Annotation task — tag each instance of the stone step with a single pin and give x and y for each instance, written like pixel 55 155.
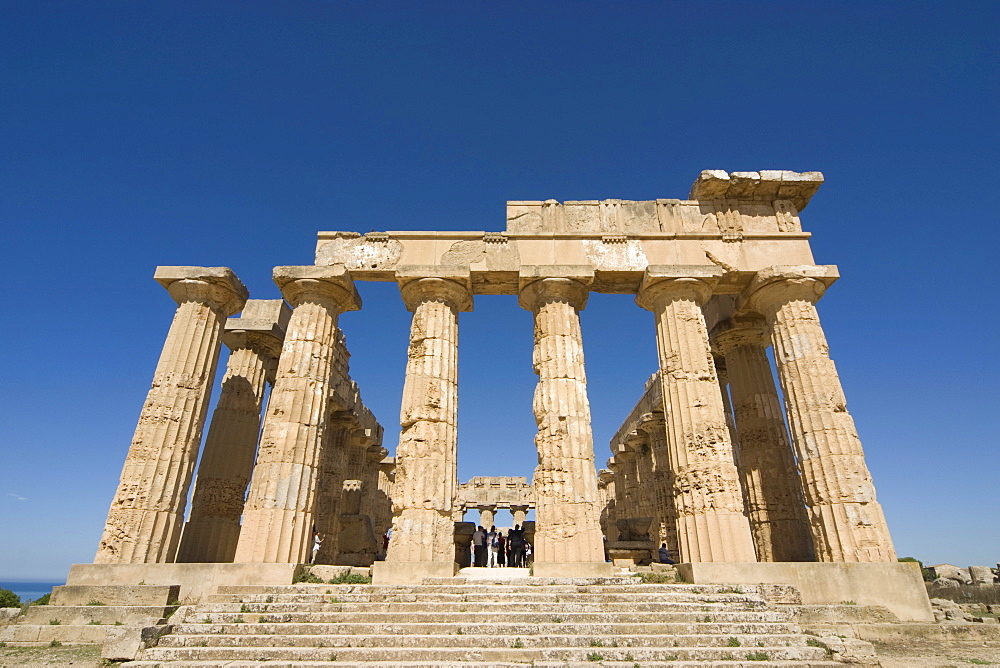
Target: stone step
pixel 489 656
pixel 103 614
pixel 486 641
pixel 44 634
pixel 348 615
pixel 508 607
pixel 473 627
pixel 493 664
pixel 487 598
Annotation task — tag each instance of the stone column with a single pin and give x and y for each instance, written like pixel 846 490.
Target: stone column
pixel 770 478
pixel 847 520
pixel 330 482
pixel 146 515
pixel 614 485
pixel 520 514
pixel 711 525
pixel 369 480
pixel 644 493
pixel 662 481
pixel 278 517
pixel 568 538
pixel 486 515
pixel 625 482
pixel 422 543
pixel 345 548
pixel 213 527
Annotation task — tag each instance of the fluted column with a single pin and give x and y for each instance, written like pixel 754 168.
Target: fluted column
pixel 644 496
pixel 487 514
pixel 520 514
pixel 614 484
pixel 846 519
pixel 770 478
pixel 727 406
pixel 279 512
pixel 662 480
pixel 370 483
pixel 213 526
pixel 426 481
pixel 330 483
pixel 386 476
pixel 711 525
pixel 146 515
pixel 625 483
pixel 568 534
pixel 355 457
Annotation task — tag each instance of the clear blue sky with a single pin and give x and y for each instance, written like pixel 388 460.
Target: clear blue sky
pixel 228 133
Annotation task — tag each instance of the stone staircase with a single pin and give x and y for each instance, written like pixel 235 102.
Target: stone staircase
pixel 554 622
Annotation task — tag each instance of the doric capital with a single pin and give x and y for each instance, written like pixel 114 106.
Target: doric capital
pixel 544 284
pixel 452 291
pixel 260 327
pixel 543 291
pixel 740 331
pixel 650 422
pixel 330 286
pixel 605 476
pixel 216 287
pixel 663 284
pixel 775 286
pixel 636 441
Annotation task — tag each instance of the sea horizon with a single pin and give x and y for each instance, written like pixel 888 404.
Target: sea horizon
pixel 31 590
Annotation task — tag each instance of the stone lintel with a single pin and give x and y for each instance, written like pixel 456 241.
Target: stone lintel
pixel 217 285
pixel 766 185
pixel 330 284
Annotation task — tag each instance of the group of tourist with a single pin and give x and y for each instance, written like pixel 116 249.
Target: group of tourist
pixel 491 549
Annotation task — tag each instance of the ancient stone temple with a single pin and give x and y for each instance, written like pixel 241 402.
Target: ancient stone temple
pixel 743 479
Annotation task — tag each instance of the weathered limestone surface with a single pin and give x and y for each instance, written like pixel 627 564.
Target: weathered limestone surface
pixel 386 479
pixel 426 481
pixel 278 518
pixel 565 481
pixel 662 483
pixel 147 512
pixel 353 543
pixel 847 521
pixel 213 528
pixel 770 477
pixel 745 221
pixel 330 483
pixel 499 491
pixel 711 525
pixel 487 515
